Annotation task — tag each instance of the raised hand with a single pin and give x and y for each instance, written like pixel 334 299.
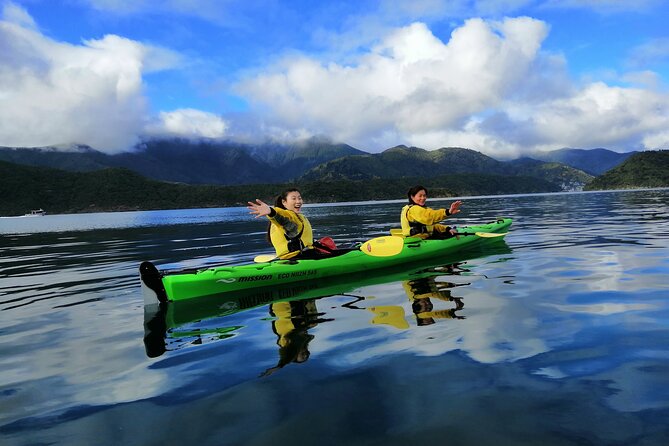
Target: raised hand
pixel 258 208
pixel 455 207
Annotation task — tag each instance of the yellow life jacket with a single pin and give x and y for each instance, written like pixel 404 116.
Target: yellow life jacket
pixel 413 228
pixel 284 245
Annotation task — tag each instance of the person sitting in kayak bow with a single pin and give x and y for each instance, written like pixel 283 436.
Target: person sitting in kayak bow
pixel 289 231
pixel 417 220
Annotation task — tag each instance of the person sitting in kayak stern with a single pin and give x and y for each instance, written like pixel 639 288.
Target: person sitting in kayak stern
pixel 289 231
pixel 420 221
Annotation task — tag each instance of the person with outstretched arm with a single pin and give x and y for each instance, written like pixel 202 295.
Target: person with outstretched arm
pixel 289 230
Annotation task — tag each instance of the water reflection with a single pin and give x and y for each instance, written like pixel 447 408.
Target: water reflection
pixel 291 324
pixel 421 292
pixel 564 341
pixel 294 310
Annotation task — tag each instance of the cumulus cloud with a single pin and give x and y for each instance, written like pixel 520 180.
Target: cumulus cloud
pixel 189 123
pixel 59 93
pixel 55 93
pixel 603 114
pixel 490 88
pixel 15 14
pixel 409 86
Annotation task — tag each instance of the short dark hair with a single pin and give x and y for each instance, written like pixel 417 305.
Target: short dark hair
pixel 414 190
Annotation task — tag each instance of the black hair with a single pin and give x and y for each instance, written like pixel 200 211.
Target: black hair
pixel 413 191
pixel 278 203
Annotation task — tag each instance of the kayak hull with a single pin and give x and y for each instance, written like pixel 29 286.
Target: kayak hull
pixel 185 285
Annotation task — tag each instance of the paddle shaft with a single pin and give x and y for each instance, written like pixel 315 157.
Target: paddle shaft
pixel 483 234
pixel 398 233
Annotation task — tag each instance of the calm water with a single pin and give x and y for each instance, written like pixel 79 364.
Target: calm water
pixel 558 336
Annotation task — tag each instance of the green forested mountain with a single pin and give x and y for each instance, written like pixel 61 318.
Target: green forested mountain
pixel 642 169
pixel 326 172
pixel 291 161
pixel 402 161
pixel 566 177
pixel 228 163
pixel 192 162
pixel 115 189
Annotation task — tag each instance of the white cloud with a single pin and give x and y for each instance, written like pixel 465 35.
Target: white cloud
pixel 410 84
pixel 13 13
pixel 598 115
pixel 489 88
pixel 58 93
pixel 189 123
pixel 657 140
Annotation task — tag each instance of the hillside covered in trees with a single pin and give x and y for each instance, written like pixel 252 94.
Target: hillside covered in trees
pixel 641 170
pixel 229 164
pixel 119 189
pixel 169 175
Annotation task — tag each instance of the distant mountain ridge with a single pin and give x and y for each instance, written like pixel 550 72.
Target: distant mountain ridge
pixel 118 189
pixel 403 161
pixel 232 163
pixel 592 161
pixel 226 174
pixel 192 162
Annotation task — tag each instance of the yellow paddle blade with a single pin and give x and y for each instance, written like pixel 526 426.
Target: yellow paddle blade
pixel 385 246
pixel 264 258
pixel 269 257
pixel 491 234
pixel 397 232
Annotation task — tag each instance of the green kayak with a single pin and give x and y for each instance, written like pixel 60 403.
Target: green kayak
pixel 185 322
pixel 160 287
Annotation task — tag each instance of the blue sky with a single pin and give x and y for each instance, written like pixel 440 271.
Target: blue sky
pixel 503 77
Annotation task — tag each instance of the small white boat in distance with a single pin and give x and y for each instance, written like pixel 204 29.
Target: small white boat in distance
pixel 36 213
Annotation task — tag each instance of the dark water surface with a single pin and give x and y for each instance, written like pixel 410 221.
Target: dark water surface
pixel 558 336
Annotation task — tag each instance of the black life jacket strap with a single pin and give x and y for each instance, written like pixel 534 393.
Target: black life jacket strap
pixel 295 243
